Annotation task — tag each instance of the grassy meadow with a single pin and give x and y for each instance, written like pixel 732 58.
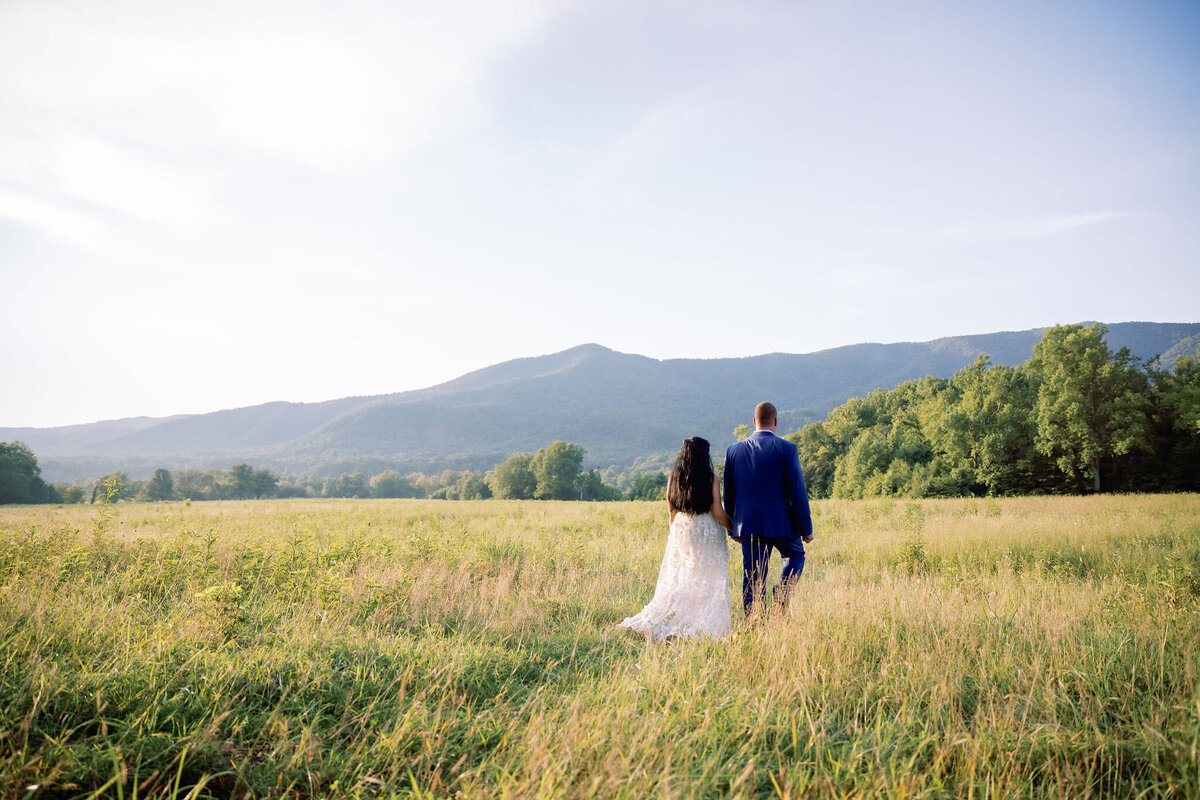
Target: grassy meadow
pixel 1038 647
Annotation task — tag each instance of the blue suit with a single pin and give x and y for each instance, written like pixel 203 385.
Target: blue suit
pixel 766 497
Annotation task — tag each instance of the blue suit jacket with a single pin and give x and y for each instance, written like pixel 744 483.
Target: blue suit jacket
pixel 764 490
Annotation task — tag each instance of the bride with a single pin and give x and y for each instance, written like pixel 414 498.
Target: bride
pixel 692 595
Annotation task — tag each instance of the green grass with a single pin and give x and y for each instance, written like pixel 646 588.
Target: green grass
pixel 1043 647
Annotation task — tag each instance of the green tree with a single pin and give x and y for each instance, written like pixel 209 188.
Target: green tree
pixel 1091 404
pixel 390 484
pixel 161 485
pixel 649 486
pixel 1180 392
pixel 71 494
pixel 859 473
pixel 21 477
pixel 423 484
pixel 465 485
pixel 190 484
pixel 877 445
pixel 111 488
pixel 846 421
pixel 348 484
pixel 514 479
pixel 1170 464
pixel 472 486
pixel 263 483
pixel 557 469
pixel 287 489
pixel 818 457
pixel 242 480
pixel 742 432
pixel 593 487
pixel 984 426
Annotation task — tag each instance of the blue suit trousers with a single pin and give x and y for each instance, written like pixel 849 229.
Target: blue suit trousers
pixel 756 562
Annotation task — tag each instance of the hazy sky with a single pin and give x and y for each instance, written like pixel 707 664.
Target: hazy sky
pixel 206 205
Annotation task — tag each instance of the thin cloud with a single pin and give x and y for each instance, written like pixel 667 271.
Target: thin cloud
pixel 1060 224
pixel 61 224
pixel 1023 229
pixel 645 141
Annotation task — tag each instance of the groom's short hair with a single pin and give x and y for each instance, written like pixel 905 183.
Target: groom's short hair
pixel 765 413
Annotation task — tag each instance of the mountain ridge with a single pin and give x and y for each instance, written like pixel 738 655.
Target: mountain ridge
pixel 619 406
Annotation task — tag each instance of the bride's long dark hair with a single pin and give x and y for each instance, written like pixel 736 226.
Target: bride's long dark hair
pixel 690 487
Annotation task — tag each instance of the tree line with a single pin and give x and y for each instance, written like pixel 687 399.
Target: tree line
pixel 240 482
pixel 552 473
pixel 1076 417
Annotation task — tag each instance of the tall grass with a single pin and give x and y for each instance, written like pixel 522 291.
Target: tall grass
pixel 940 648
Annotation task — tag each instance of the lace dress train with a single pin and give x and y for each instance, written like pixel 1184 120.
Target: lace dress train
pixel 692 595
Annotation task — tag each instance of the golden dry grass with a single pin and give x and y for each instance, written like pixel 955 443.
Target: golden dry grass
pixel 1038 647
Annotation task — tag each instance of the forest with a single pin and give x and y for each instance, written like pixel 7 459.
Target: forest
pixel 1075 418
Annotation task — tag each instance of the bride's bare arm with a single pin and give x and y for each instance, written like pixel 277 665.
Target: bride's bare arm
pixel 670 510
pixel 718 509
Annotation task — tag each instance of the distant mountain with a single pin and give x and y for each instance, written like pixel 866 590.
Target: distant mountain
pixel 618 406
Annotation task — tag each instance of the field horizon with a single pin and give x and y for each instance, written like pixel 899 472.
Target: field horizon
pixel 1016 647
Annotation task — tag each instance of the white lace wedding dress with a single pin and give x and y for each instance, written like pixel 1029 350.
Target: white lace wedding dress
pixel 692 595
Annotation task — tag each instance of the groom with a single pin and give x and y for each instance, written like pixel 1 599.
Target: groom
pixel 765 496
